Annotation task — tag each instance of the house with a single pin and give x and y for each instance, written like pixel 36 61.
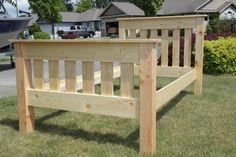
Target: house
pixel 89 19
pixel 103 20
pixel 117 10
pixel 226 9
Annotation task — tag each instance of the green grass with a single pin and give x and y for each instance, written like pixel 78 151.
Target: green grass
pixel 189 126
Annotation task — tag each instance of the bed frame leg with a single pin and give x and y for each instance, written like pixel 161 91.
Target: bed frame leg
pixel 147 99
pixel 24 81
pixel 199 57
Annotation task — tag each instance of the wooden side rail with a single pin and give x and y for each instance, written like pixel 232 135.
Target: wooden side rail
pixel 165 94
pixel 87 103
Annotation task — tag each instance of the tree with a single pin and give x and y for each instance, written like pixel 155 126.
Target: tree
pixel 69 5
pixel 34 28
pixel 48 10
pixel 84 5
pixel 150 7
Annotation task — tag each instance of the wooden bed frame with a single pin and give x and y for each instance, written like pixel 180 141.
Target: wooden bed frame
pixel 136 56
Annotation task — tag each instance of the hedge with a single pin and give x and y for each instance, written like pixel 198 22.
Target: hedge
pixel 220 56
pixel 41 35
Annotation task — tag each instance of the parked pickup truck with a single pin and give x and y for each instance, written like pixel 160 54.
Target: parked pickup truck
pixel 79 31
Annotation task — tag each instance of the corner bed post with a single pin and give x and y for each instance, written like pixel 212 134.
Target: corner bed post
pixel 23 82
pixel 148 98
pixel 199 55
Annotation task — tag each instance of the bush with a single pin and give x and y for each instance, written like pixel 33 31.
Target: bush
pixel 220 56
pixel 34 28
pixel 41 35
pixel 60 33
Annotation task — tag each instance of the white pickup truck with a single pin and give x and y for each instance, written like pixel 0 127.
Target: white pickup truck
pixel 80 31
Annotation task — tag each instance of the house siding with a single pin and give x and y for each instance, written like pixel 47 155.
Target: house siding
pixel 225 14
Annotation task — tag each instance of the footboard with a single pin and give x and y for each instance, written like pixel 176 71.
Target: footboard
pixel 34 91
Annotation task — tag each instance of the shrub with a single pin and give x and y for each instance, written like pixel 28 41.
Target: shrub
pixel 60 33
pixel 220 56
pixel 34 28
pixel 41 35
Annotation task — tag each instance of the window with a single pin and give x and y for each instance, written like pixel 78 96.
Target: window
pixel 72 28
pixel 2 9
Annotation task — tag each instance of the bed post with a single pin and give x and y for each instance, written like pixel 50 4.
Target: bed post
pixel 199 55
pixel 23 82
pixel 147 98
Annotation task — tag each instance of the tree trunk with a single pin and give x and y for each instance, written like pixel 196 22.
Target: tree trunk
pixel 53 30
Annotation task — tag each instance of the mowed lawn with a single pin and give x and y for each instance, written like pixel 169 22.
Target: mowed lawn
pixel 189 126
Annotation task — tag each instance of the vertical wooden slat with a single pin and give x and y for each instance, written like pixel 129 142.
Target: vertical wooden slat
pixel 127 80
pixel 122 33
pixel 153 34
pixel 38 74
pixel 54 80
pixel 199 56
pixel 143 34
pixel 70 76
pixel 88 77
pixel 164 47
pixel 148 98
pixel 23 82
pixel 133 34
pixel 187 47
pixel 176 47
pixel 107 78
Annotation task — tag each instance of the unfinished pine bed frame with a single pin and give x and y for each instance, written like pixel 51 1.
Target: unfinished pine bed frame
pixel 136 56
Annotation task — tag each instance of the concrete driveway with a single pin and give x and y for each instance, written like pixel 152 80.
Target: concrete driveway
pixel 7 80
pixel 8 76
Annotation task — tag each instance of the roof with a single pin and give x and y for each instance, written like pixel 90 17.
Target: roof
pixel 214 6
pixel 172 7
pixel 90 15
pixel 70 16
pixel 127 8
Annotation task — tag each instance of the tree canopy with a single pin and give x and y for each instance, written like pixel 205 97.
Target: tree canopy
pixel 84 5
pixel 48 10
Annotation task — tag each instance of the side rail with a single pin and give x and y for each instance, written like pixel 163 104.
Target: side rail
pixel 179 37
pixel 31 90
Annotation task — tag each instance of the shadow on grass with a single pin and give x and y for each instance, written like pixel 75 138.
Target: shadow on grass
pixel 130 141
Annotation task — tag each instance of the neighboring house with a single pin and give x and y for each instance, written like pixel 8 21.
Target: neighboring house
pixel 96 19
pixel 117 10
pixel 225 8
pixel 89 19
